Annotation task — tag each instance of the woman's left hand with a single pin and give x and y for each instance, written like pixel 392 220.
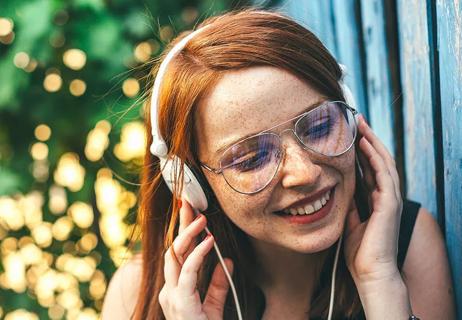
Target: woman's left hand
pixel 371 246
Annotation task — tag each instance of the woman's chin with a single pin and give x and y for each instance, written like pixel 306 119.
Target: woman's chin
pixel 314 244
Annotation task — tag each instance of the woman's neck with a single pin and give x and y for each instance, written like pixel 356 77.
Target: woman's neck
pixel 287 278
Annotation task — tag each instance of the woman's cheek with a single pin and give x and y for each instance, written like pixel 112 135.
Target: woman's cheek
pixel 240 208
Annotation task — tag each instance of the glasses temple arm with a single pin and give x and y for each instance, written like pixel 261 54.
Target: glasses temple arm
pixel 216 171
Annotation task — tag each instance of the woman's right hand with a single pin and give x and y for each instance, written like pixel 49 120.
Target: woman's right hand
pixel 179 297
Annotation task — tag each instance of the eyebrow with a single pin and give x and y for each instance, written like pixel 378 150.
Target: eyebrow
pixel 220 150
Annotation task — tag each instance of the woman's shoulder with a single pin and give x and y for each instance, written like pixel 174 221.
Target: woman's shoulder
pixel 122 293
pixel 426 266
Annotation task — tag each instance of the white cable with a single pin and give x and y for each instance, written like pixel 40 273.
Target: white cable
pixel 334 271
pixel 228 275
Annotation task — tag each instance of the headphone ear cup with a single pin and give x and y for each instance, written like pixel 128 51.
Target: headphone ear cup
pixel 210 195
pixel 192 190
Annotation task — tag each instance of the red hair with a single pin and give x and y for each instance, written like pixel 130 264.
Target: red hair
pixel 235 40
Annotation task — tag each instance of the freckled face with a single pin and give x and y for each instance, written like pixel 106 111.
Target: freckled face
pixel 252 100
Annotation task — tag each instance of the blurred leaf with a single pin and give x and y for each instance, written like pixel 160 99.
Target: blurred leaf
pixel 138 24
pixel 10 182
pixel 95 5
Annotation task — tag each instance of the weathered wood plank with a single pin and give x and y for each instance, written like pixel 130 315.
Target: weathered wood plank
pixel 416 82
pixel 449 36
pixel 379 92
pixel 347 38
pixel 316 15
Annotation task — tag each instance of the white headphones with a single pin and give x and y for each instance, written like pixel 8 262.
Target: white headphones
pixel 192 190
pixel 170 165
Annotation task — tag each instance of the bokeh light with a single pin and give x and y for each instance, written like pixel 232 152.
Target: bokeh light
pixel 42 132
pixel 97 141
pixel 70 173
pixel 189 15
pixel 11 216
pixel 6 26
pixel 88 242
pixel 131 87
pixel 39 151
pixel 52 82
pixel 81 213
pixel 15 272
pixel 143 51
pixel 132 142
pixel 74 59
pixel 166 33
pixel 21 60
pixel 31 66
pixel 77 87
pixel 21 314
pixel 57 40
pixel 58 199
pixel 42 234
pixel 62 228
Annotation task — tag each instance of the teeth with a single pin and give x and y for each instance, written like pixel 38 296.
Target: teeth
pixel 311 207
pixel 317 205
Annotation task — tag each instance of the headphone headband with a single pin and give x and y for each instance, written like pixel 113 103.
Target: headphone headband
pixel 158 146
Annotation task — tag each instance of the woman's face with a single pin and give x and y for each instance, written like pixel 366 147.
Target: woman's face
pixel 251 100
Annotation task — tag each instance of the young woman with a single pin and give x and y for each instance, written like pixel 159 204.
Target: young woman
pixel 254 104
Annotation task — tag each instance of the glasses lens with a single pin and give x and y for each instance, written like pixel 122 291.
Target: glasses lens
pixel 251 164
pixel 329 129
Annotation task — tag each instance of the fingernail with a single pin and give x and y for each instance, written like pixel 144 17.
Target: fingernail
pixel 197 217
pixel 208 236
pixel 180 203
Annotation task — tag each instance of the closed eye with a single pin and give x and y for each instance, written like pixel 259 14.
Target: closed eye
pixel 248 163
pixel 318 131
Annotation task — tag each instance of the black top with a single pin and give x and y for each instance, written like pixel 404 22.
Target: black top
pixel 408 218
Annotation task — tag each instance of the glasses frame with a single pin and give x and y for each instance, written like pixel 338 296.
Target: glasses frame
pixel 281 151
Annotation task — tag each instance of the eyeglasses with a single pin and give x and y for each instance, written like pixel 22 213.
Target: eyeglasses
pixel 249 165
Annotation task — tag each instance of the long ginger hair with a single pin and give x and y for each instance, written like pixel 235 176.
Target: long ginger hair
pixel 235 40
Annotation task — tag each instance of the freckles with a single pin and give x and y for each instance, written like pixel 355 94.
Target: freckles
pixel 238 207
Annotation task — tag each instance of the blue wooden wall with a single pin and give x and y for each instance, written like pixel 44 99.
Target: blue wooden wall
pixel 405 68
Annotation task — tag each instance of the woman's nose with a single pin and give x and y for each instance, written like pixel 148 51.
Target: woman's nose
pixel 298 169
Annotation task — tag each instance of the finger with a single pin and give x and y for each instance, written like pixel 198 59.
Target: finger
pixel 368 173
pixel 184 240
pixel 218 289
pixel 187 280
pixel 390 170
pixel 370 135
pixel 381 149
pixel 186 214
pixel 179 247
pixel 171 269
pixel 382 176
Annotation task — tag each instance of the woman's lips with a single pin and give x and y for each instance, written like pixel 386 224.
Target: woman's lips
pixel 310 218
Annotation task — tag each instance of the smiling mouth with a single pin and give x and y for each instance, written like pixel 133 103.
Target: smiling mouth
pixel 309 208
